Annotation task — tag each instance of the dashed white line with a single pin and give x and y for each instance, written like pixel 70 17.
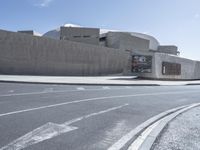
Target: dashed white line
pixel 48 92
pixel 92 99
pixel 105 87
pixel 80 88
pixel 50 130
pixel 128 87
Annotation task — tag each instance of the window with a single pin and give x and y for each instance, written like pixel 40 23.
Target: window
pixel 103 39
pixel 86 36
pixel 141 64
pixel 169 68
pixel 76 36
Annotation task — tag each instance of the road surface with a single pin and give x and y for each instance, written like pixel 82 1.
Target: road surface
pixel 72 117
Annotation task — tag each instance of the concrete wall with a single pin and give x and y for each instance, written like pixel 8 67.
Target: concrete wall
pixel 190 69
pixel 30 32
pixel 169 49
pixel 83 35
pixel 153 42
pixel 26 54
pixel 126 41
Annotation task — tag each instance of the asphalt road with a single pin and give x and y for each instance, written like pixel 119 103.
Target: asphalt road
pixel 60 117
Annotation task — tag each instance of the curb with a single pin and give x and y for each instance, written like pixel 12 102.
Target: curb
pixel 162 123
pixel 193 84
pixel 94 84
pixel 127 140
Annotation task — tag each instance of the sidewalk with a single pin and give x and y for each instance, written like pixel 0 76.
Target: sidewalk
pixel 183 133
pixel 95 80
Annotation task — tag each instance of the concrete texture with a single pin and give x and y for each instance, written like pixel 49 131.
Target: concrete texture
pixel 153 42
pixel 26 54
pixel 97 132
pixel 168 49
pixel 183 133
pixel 126 41
pixel 83 35
pixel 190 69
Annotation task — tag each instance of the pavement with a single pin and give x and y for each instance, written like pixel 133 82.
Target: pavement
pixel 94 80
pixel 81 117
pixel 182 133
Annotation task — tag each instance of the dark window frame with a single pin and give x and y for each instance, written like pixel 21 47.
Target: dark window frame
pixel 169 68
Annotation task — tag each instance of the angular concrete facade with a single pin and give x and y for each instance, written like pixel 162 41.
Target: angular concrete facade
pixel 189 70
pixel 87 51
pixel 126 41
pixel 25 54
pixel 82 35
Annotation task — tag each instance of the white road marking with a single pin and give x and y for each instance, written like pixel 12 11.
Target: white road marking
pixel 94 114
pixel 11 91
pixel 105 87
pixel 47 92
pixel 30 93
pixel 133 133
pixel 50 130
pixel 80 88
pixel 147 134
pixel 40 134
pixel 128 87
pixel 93 99
pixel 111 135
pixel 138 142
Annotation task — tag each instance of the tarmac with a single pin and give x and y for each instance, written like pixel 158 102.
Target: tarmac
pixel 94 80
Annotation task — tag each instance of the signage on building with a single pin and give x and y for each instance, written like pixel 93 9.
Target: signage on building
pixel 141 64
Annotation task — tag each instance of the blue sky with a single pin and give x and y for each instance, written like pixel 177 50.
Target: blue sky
pixel 170 21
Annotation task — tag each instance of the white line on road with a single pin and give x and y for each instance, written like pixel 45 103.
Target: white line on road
pixel 93 99
pixel 128 87
pixel 105 87
pixel 80 88
pixel 138 142
pixel 48 92
pixel 50 130
pixel 124 140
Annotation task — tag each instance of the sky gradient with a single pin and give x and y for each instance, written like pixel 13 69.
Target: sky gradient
pixel 173 22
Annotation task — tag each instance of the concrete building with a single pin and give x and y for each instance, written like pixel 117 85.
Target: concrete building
pixel 78 34
pixel 30 32
pixel 32 55
pixel 75 50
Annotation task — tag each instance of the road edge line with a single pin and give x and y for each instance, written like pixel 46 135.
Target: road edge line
pixel 126 140
pixel 157 131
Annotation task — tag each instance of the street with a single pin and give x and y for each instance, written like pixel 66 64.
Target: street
pixel 75 117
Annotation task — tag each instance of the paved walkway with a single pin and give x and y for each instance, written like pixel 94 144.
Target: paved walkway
pixel 95 80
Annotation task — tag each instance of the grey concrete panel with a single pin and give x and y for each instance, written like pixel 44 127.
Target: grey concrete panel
pixel 169 49
pixel 31 32
pixel 190 69
pixel 26 54
pixel 126 41
pixel 83 35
